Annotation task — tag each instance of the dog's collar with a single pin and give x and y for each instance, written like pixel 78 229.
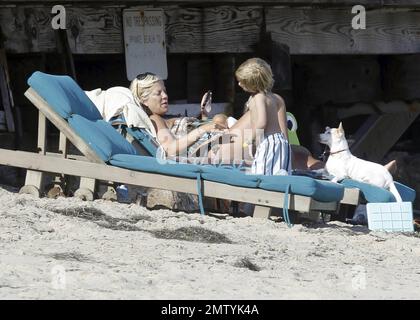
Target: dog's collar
pixel 335 152
pixel 326 153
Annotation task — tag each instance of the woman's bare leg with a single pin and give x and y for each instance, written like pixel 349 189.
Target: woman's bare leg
pixel 234 152
pixel 302 159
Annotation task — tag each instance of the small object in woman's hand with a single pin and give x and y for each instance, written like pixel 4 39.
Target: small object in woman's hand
pixel 207 102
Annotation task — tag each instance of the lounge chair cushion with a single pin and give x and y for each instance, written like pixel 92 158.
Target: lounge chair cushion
pixel 152 165
pixel 373 193
pixel 322 191
pixel 406 193
pixel 101 137
pixel 230 176
pixel 145 139
pixel 64 95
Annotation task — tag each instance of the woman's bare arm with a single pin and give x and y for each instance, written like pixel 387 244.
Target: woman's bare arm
pixel 173 146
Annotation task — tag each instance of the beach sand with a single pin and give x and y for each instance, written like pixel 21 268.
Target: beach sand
pixel 69 249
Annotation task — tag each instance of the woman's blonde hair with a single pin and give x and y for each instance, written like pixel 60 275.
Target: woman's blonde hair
pixel 141 86
pixel 255 75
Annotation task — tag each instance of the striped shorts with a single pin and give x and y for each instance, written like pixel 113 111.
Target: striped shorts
pixel 273 156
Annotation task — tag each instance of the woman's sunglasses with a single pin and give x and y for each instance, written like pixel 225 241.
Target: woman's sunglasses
pixel 143 76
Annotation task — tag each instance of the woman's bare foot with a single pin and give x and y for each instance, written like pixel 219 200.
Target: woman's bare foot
pixel 391 167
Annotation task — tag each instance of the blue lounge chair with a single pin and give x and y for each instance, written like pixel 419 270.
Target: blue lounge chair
pixel 109 157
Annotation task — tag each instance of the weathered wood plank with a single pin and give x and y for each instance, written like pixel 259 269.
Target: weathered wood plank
pixel 234 2
pixel 99 30
pixel 27 29
pixel 220 29
pixel 37 178
pixel 382 135
pixel 95 30
pixel 212 30
pixel 42 133
pixel 329 31
pixel 89 30
pixel 5 92
pixel 401 3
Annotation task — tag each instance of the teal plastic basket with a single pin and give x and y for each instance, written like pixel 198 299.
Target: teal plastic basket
pixel 390 217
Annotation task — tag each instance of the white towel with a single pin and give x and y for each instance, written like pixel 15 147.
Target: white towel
pixel 119 100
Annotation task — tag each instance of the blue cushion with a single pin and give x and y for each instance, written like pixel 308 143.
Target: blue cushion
pixel 406 193
pixel 373 193
pixel 64 95
pixel 323 191
pixel 152 165
pixel 230 176
pixel 101 137
pixel 145 139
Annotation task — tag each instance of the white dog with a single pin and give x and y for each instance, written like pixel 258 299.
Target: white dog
pixel 342 164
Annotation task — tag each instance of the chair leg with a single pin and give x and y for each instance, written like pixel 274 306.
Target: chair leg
pixel 262 212
pixel 34 183
pixel 86 189
pixel 59 182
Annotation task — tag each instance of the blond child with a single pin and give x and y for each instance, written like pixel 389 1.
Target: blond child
pixel 268 115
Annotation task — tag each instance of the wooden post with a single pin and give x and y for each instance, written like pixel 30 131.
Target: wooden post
pixel 262 212
pixel 6 93
pixel 59 180
pixel 199 78
pixel 36 178
pixel 66 54
pixel 379 137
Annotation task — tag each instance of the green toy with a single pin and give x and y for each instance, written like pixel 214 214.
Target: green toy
pixel 292 127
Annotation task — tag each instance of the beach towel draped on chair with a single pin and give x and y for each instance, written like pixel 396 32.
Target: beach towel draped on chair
pixel 118 101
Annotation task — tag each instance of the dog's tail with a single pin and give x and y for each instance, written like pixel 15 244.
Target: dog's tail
pixel 394 191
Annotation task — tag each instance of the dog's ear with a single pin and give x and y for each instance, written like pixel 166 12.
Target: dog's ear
pixel 340 128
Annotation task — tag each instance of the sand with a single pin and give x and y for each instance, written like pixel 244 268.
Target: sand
pixel 69 249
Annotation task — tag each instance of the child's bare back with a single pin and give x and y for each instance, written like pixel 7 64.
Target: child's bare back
pixel 275 110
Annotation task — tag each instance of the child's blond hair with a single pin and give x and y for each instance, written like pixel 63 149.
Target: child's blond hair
pixel 141 86
pixel 255 75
